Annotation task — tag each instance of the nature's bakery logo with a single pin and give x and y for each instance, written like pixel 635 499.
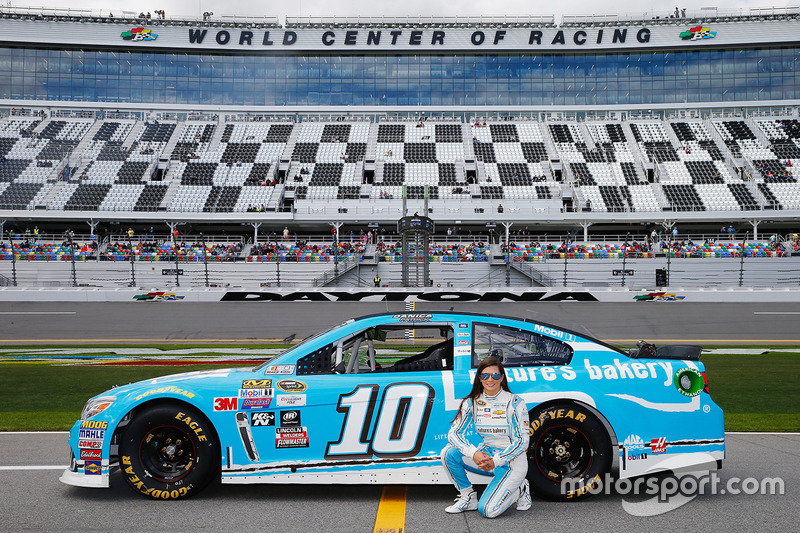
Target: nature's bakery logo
pixel 697 33
pixel 138 34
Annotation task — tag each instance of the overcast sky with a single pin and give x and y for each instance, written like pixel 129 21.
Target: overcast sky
pixel 400 8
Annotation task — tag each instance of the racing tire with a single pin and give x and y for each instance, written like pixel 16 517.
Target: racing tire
pixel 168 452
pixel 568 454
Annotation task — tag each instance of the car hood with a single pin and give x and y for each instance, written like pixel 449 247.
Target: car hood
pixel 188 380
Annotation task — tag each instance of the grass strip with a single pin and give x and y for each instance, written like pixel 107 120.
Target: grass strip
pixel 757 392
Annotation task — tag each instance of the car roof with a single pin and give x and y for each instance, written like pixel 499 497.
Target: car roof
pixel 453 315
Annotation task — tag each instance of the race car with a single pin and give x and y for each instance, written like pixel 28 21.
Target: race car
pixel 371 401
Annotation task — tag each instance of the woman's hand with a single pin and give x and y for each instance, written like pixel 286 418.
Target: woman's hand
pixel 483 460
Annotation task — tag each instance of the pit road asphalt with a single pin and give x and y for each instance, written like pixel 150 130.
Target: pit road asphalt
pixel 34 500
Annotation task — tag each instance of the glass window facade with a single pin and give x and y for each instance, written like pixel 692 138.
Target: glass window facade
pixel 635 78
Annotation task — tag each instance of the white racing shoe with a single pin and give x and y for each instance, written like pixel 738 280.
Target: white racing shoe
pixel 524 501
pixel 468 503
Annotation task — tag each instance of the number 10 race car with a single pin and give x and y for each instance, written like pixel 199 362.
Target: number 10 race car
pixel 354 405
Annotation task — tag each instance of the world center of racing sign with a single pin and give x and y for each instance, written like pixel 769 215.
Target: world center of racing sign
pixel 400 39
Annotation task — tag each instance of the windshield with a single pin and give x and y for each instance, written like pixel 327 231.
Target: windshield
pixel 279 357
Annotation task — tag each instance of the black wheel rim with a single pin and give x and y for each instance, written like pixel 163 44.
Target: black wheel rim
pixel 167 453
pixel 562 453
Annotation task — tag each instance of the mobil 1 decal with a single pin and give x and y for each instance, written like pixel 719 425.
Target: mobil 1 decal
pixel 398 429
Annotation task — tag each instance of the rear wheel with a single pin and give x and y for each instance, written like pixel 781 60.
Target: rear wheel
pixel 168 452
pixel 568 454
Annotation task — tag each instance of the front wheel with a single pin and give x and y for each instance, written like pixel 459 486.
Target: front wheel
pixel 168 452
pixel 569 452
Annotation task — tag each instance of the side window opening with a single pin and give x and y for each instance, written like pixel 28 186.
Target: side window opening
pixel 517 347
pixel 384 349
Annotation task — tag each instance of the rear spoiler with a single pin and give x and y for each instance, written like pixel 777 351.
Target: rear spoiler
pixel 645 350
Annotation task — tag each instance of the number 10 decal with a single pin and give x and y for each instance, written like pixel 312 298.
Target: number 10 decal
pixel 399 426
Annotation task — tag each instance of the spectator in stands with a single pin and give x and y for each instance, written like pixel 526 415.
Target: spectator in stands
pixel 376 280
pixel 285 234
pixel 130 233
pixel 500 208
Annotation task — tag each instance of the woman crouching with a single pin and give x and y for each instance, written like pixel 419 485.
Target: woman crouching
pixel 501 420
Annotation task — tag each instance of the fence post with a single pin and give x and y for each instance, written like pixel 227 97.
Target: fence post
pixel 741 260
pixel 133 267
pixel 205 256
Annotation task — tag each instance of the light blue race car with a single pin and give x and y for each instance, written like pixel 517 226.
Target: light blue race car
pixel 371 401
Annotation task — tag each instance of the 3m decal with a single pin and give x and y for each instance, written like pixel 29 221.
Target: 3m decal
pixel 225 404
pixel 400 424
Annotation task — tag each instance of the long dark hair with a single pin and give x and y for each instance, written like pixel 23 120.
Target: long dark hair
pixel 477 386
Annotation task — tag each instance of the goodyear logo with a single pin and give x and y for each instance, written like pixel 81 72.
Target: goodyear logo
pixel 292 385
pixel 138 34
pixel 168 389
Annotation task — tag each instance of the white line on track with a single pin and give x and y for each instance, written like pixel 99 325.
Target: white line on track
pixel 53 467
pixel 38 312
pixel 776 312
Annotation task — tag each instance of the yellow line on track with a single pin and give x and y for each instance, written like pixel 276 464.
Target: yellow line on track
pixel 392 510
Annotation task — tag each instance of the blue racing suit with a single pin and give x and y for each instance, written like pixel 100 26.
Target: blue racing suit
pixel 502 423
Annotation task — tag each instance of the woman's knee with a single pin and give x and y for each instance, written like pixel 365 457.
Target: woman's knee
pixel 483 509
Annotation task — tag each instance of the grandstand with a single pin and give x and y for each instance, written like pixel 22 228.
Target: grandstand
pixel 247 126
